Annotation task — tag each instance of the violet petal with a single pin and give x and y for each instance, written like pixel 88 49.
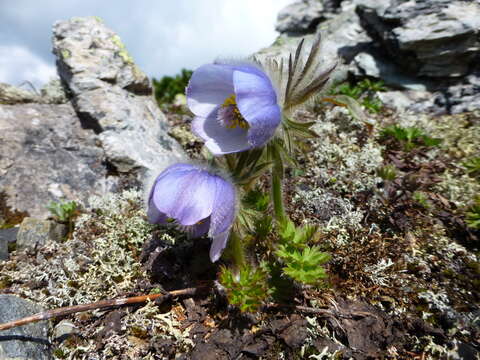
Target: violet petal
pixel 209 86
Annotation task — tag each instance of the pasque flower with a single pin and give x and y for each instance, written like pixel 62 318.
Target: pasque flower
pixel 235 107
pixel 195 198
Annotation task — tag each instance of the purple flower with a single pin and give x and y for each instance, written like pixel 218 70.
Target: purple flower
pixel 202 202
pixel 235 107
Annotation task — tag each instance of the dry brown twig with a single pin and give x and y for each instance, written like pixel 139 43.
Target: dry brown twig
pixel 49 314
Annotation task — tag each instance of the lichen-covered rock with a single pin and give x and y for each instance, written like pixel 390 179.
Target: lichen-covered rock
pixel 429 38
pixel 34 233
pixel 29 342
pixel 46 155
pixel 112 95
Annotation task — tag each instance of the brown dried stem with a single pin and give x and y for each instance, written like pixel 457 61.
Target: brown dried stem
pixel 67 310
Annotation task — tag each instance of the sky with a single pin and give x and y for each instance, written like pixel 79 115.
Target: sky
pixel 162 36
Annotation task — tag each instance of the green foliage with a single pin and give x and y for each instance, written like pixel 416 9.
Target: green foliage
pixel 349 90
pixel 473 166
pixel 387 172
pixel 167 87
pixel 63 211
pixel 421 198
pixel 302 262
pixel 372 104
pixel 254 215
pixel 472 217
pixel 364 91
pixel 263 226
pixel 409 137
pixel 257 200
pixel 248 289
pixel 373 86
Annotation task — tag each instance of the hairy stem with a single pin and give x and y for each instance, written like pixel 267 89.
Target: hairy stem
pixel 277 193
pixel 237 250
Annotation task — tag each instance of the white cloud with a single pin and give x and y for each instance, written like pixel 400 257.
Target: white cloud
pixel 19 64
pixel 162 35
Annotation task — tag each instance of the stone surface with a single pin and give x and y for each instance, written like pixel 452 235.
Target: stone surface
pixel 45 155
pixel 23 342
pixel 86 133
pixel 300 17
pixel 428 38
pixel 425 45
pixel 7 237
pixel 34 233
pixel 112 95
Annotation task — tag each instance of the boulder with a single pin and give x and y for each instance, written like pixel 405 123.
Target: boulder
pixel 301 17
pixel 34 233
pixel 7 237
pixel 95 128
pixel 29 342
pixel 112 96
pixel 428 38
pixel 427 46
pixel 46 155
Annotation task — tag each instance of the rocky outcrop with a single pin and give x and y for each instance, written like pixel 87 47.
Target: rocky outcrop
pixel 46 155
pixel 86 134
pixel 112 95
pixel 29 342
pixel 300 17
pixel 429 47
pixel 434 39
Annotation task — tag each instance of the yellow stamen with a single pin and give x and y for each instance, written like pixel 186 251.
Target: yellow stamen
pixel 237 118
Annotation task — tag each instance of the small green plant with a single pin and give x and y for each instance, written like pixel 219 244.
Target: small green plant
pixel 64 212
pixel 473 166
pixel 409 137
pixel 365 92
pixel 168 87
pixel 349 90
pixel 247 289
pixel 387 172
pixel 472 216
pixel 421 198
pixel 302 262
pixel 372 104
pixel 372 86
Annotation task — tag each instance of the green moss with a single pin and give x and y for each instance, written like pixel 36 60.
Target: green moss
pixel 65 54
pixel 122 50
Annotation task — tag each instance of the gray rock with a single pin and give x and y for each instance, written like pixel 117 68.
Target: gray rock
pixel 428 38
pixel 46 155
pixel 53 92
pixel 7 237
pixel 378 67
pixel 24 342
pixel 300 17
pixel 428 46
pixel 63 330
pixel 112 96
pixel 35 233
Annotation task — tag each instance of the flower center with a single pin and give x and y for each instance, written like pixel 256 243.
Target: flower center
pixel 229 114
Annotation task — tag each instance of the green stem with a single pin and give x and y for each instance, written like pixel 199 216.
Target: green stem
pixel 237 251
pixel 277 195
